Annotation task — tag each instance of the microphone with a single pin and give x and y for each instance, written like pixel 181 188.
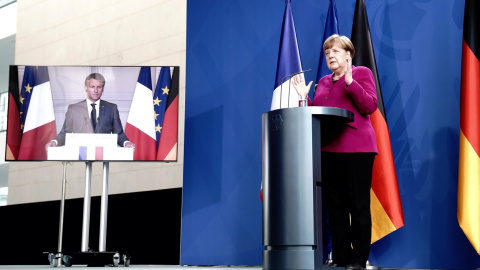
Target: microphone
pixel 281 85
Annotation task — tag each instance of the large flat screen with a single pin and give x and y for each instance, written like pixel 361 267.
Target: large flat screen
pixel 89 113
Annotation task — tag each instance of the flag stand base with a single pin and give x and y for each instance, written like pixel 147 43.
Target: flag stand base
pixel 329 261
pixel 371 266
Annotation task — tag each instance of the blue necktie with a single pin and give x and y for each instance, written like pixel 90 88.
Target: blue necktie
pixel 93 116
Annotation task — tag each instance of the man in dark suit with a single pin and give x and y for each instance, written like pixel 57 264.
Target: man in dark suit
pixel 92 115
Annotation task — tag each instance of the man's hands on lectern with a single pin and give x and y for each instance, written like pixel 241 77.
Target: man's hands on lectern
pixel 54 144
pixel 129 145
pixel 50 144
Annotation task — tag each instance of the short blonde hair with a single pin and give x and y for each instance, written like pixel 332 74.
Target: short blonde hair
pixel 342 41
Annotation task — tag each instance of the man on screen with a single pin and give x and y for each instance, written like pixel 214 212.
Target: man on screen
pixel 92 115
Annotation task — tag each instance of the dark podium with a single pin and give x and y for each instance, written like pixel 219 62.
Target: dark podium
pixel 291 175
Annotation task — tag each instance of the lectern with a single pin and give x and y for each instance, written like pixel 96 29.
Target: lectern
pixel 89 147
pixel 291 175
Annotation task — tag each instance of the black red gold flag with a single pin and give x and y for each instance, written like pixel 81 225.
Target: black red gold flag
pixel 386 205
pixel 468 201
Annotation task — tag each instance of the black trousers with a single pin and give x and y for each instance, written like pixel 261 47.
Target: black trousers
pixel 346 182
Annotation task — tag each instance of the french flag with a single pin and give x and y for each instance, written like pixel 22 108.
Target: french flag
pixel 39 127
pixel 289 62
pixel 140 128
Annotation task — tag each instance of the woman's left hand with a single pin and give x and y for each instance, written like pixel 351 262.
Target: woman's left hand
pixel 348 73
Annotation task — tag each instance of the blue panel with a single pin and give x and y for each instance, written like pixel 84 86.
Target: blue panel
pixel 232 49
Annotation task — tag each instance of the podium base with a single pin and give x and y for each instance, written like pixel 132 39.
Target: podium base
pixel 293 258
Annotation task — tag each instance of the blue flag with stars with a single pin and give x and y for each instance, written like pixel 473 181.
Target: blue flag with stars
pixel 331 27
pixel 26 92
pixel 160 100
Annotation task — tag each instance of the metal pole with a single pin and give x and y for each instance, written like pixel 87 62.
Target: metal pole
pixel 62 207
pixel 86 206
pixel 103 210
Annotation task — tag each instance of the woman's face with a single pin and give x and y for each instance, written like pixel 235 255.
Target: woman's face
pixel 336 58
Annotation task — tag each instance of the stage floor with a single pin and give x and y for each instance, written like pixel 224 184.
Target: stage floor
pixel 147 267
pixel 161 267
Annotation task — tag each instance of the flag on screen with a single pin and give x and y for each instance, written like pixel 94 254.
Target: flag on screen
pixel 167 149
pixel 90 152
pixel 82 153
pixel 160 100
pixel 99 153
pixel 284 95
pixel 28 83
pixel 468 204
pixel 39 126
pixel 386 205
pixel 140 127
pixel 14 132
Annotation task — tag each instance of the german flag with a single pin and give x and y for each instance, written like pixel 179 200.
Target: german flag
pixel 468 204
pixel 385 204
pixel 14 132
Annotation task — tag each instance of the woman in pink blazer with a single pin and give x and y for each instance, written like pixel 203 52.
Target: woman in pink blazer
pixel 348 152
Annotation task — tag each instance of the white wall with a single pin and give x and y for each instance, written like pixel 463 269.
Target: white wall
pixel 102 33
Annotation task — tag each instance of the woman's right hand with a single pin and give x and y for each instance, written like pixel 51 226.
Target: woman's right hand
pixel 299 85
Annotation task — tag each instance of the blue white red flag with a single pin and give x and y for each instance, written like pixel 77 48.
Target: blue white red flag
pixel 289 62
pixel 140 127
pixel 39 123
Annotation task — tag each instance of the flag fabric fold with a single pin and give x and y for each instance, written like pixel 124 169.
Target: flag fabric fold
pixel 468 201
pixel 14 132
pixel 37 114
pixel 28 82
pixel 331 27
pixel 140 127
pixel 160 100
pixel 167 149
pixel 289 62
pixel 386 205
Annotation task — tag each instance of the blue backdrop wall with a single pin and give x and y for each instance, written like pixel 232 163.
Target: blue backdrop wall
pixel 232 49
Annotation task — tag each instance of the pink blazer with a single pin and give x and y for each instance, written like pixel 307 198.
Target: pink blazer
pixel 360 97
